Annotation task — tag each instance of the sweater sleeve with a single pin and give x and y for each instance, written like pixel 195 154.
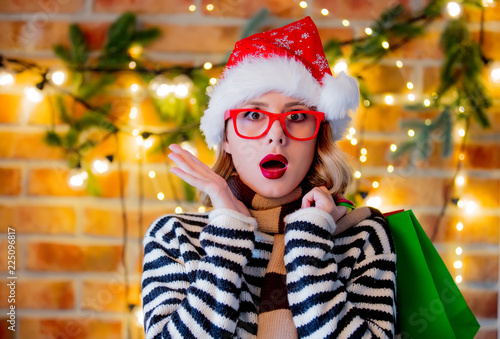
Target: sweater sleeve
pixel 190 291
pixel 342 286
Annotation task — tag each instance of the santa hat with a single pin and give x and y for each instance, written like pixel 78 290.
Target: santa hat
pixel 289 60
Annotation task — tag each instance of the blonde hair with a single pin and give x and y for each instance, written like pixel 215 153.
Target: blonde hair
pixel 330 168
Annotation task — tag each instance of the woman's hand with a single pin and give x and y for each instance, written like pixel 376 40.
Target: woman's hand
pixel 320 197
pixel 197 174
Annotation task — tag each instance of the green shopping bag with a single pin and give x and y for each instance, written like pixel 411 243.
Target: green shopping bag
pixel 429 303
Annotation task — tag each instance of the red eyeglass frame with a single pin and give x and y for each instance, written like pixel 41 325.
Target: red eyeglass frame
pixel 232 113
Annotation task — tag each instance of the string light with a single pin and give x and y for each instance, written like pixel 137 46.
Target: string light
pixel 427 102
pixel 340 66
pixel 33 94
pixel 357 174
pixel 100 165
pixel 411 97
pixel 324 11
pixel 453 9
pixel 352 131
pixel 374 202
pixel 390 168
pixel 201 209
pixel 133 112
pixel 135 132
pixel 460 180
pixel 138 315
pixel 458 250
pixel 367 103
pixel 393 147
pixel 303 4
pixel 160 196
pixel 182 86
pixel 389 99
pixel 489 3
pixel 409 85
pixel 460 226
pixel 6 77
pixel 362 158
pixel 178 209
pixel 77 179
pixel 152 174
pixel 364 151
pixel 385 44
pixel 207 65
pixel 213 81
pixel 148 142
pixel 375 184
pixel 57 77
pixel 461 109
pixel 192 8
pixel 428 122
pixel 457 264
pixel 399 64
pixel 494 72
pixel 368 31
pixel 354 141
pixel 458 279
pixel 134 88
pixel 135 51
pixel 345 23
pixel 411 133
pixel 210 7
pixel 132 65
pixel 461 157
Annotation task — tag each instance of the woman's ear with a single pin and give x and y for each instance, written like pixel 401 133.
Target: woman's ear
pixel 227 146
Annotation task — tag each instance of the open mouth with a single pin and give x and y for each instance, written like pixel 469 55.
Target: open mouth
pixel 273 166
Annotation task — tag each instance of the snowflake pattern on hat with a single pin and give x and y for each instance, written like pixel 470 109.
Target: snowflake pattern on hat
pixel 299 40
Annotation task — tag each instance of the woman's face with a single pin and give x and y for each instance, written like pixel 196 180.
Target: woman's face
pixel 273 165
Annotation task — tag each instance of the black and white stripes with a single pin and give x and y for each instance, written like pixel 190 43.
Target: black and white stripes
pixel 203 273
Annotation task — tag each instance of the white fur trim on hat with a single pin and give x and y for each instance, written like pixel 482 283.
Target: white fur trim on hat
pixel 255 76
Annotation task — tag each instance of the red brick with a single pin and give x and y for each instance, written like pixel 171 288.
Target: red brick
pixel 148 6
pixel 43 7
pixel 5 333
pixel 482 303
pixel 247 9
pixel 486 334
pixel 85 327
pixel 3 259
pixel 38 219
pixel 411 191
pixel 479 268
pixel 27 146
pixel 491 45
pixel 191 38
pixel 424 47
pixel 108 296
pixel 484 155
pixel 59 257
pixel 54 183
pixel 359 10
pixel 41 294
pixel 395 79
pixel 10 181
pixel 108 222
pixel 9 109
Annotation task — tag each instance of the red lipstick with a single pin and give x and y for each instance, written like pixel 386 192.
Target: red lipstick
pixel 273 166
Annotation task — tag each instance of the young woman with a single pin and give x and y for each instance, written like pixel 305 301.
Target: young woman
pixel 279 256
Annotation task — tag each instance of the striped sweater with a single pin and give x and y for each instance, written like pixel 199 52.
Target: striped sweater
pixel 202 275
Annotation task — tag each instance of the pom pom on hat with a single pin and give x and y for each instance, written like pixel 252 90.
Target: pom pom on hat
pixel 289 60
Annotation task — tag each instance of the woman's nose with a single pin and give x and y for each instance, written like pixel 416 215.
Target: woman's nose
pixel 276 133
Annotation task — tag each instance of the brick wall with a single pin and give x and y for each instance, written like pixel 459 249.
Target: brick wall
pixel 69 245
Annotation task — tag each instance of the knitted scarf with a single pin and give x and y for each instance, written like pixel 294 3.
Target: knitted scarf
pixel 275 317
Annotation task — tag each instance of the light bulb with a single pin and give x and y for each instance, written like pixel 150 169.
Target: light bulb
pixel 6 77
pixel 352 130
pixel 183 85
pixel 409 85
pixel 411 133
pixel 390 168
pixel 178 209
pixel 77 179
pixel 374 202
pixel 389 99
pixel 363 151
pixel 362 158
pixel 192 8
pixel 494 72
pixel 161 86
pixel 57 76
pixel 324 11
pixel 345 23
pixel 453 9
pixel 368 31
pixel 458 279
pixel 375 184
pixel 33 94
pixel 458 250
pixel 457 264
pixel 133 113
pixel 210 7
pixel 460 226
pixel 303 4
pixel 399 64
pixel 100 165
pixel 132 65
pixel 340 66
pixel 411 97
pixel 427 102
pixel 138 315
pixel 393 147
pixel 160 196
pixel 385 45
pixel 207 65
pixel 354 141
pixel 357 174
pixel 152 174
pixel 202 209
pixel 460 180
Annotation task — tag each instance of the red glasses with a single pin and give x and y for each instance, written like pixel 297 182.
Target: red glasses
pixel 254 123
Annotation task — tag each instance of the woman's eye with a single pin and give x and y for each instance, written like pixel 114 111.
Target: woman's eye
pixel 297 116
pixel 253 115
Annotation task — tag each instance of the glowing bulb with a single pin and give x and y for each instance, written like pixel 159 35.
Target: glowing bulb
pixel 163 90
pixel 178 209
pixel 352 131
pixel 354 141
pixel 135 51
pixel 192 8
pixel 411 133
pixel 33 94
pixel 133 113
pixel 192 101
pixel 348 136
pixel 460 226
pixel 411 97
pixel 389 99
pixel 385 44
pixel 135 132
pixel 202 209
pixel 181 91
pixel 100 166
pixel 409 85
pixel 458 279
pixel 160 196
pixel 77 179
pixel 368 31
pixel 489 3
pixel 390 168
pixel 460 180
pixel 58 77
pixel 393 147
pixel 134 88
pixel 399 64
pixel 471 208
pixel 324 11
pixel 461 132
pixel 364 151
pixel 346 23
pixel 303 4
pixel 139 140
pixel 458 250
pixel 340 66
pixel 184 84
pixel 367 103
pixel 207 65
pixel 428 122
pixel 210 7
pixel 132 65
pixel 494 75
pixel 457 264
pixel 461 157
pixel 6 78
pixel 362 158
pixel 427 102
pixel 148 142
pixel 138 316
pixel 461 109
pixel 213 81
pixel 374 202
pixel 454 9
pixel 152 174
pixel 375 184
pixel 357 174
